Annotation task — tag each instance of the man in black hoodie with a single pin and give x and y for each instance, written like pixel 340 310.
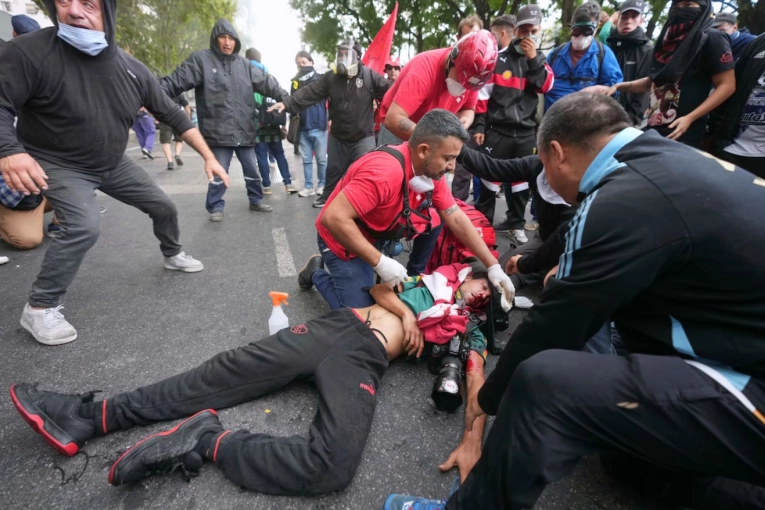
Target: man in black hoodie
pixel 634 53
pixel 224 83
pixel 75 94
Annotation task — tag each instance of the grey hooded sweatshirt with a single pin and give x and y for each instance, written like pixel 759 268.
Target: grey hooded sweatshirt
pixel 75 110
pixel 224 87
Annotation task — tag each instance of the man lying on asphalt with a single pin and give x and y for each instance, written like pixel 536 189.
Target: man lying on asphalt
pixel 667 242
pixel 344 352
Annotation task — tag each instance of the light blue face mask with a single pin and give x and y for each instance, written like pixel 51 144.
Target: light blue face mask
pixel 90 42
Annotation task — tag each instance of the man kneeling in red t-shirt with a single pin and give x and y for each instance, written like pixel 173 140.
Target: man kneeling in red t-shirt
pixel 391 194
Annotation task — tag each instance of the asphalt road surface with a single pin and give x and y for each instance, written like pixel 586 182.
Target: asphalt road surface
pixel 139 323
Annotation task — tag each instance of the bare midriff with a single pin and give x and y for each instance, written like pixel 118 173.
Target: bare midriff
pixel 386 326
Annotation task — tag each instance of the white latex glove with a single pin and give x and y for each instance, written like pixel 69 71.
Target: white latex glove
pixel 504 286
pixel 391 271
pixel 523 303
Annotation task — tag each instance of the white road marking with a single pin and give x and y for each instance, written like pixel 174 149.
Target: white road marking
pixel 284 261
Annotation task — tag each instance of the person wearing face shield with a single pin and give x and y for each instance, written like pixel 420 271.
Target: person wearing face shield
pixel 351 88
pixel 507 106
pixel 583 61
pixel 690 59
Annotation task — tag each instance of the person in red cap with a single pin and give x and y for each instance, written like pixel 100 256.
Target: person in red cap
pixel 447 78
pixel 392 68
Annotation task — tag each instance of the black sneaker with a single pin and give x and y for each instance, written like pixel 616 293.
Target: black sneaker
pixel 502 226
pixel 178 161
pixel 170 166
pixel 319 202
pixel 304 277
pixel 166 451
pixel 55 416
pixel 147 154
pixel 261 208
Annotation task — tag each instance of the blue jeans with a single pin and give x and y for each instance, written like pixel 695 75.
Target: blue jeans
pixel 261 153
pixel 347 283
pixel 216 189
pixel 605 341
pixel 314 142
pixel 422 247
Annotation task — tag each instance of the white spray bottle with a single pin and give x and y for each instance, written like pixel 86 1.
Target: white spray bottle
pixel 278 319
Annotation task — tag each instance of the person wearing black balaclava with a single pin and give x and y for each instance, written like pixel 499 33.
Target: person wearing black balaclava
pixel 690 58
pixel 634 52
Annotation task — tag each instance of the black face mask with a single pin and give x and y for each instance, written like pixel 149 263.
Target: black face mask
pixel 682 15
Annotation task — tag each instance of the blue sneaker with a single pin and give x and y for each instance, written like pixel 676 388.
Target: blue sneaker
pixel 403 502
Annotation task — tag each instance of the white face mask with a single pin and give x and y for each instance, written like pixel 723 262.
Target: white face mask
pixel 455 88
pixel 421 184
pixel 546 192
pixel 581 43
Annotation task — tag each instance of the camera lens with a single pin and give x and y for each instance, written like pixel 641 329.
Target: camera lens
pixel 448 388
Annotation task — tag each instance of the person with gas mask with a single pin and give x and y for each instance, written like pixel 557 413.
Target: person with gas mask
pixel 505 128
pixel 634 52
pixel 391 193
pixel 351 88
pixel 76 94
pixel 690 59
pixel 583 62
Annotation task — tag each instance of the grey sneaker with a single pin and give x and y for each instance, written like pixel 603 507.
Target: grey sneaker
pixel 320 190
pixel 49 327
pixel 261 208
pixel 306 192
pixel 290 188
pixel 183 262
pixel 216 216
pixel 266 190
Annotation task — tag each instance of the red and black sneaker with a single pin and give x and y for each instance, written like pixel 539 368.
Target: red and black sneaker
pixel 55 416
pixel 166 451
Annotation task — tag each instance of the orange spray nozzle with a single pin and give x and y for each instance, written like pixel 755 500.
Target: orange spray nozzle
pixel 278 298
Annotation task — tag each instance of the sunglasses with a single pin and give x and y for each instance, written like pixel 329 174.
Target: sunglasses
pixel 585 31
pixel 388 68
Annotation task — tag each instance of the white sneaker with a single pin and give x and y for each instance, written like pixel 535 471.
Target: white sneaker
pixel 520 236
pixel 272 165
pixel 183 262
pixel 320 190
pixel 306 192
pixel 48 326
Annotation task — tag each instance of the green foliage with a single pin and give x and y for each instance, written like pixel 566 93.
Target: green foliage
pixel 163 33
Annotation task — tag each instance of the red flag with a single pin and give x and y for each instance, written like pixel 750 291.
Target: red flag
pixel 379 49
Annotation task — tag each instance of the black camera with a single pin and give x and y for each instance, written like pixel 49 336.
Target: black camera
pixel 449 362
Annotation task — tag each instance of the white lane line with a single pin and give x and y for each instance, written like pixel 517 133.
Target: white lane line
pixel 284 261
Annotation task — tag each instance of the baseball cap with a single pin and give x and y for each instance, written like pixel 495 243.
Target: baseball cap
pixel 632 5
pixel 529 15
pixel 724 17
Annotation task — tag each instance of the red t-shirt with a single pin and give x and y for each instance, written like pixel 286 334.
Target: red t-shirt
pixel 373 187
pixel 421 87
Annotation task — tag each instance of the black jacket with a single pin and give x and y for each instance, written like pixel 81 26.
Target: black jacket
pixel 634 52
pixel 678 277
pixel 74 109
pixel 224 87
pixel 552 217
pixel 350 101
pixel 508 103
pixel 724 121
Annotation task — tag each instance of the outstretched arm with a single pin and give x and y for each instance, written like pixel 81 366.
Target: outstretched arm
pixel 465 456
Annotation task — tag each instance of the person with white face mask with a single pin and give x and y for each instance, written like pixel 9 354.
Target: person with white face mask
pixel 76 95
pixel 392 193
pixel 583 61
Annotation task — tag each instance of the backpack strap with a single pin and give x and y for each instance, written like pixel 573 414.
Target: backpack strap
pixel 554 55
pixel 601 56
